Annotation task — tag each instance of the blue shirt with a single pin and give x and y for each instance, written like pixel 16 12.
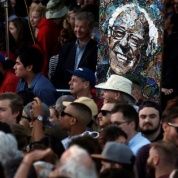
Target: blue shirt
pixel 136 142
pixel 41 87
pixel 79 53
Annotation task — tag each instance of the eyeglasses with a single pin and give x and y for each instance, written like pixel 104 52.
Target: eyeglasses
pixel 93 134
pixel 63 113
pixel 173 125
pixel 105 112
pixel 119 123
pixel 25 117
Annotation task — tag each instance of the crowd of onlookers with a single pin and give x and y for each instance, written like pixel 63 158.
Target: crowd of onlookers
pixel 58 121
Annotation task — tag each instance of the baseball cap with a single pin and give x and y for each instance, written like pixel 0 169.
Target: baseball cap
pixel 86 74
pixel 86 101
pixel 116 152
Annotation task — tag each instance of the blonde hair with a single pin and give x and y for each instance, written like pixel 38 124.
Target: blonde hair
pixel 34 7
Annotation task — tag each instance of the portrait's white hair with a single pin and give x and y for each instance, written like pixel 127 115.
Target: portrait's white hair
pixel 153 31
pixel 76 163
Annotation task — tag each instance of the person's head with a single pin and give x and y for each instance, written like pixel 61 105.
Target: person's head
pixel 59 102
pixel 71 17
pixel 76 163
pixel 162 156
pixel 82 80
pixel 29 61
pixel 90 103
pixel 128 36
pixel 117 89
pixel 16 27
pixel 84 22
pixel 75 118
pixel 104 115
pixel 19 30
pixel 170 125
pixel 126 117
pixel 116 172
pixel 36 12
pixel 112 133
pixel 115 155
pixel 175 6
pixel 11 106
pixel 149 117
pixel 8 148
pixel 90 144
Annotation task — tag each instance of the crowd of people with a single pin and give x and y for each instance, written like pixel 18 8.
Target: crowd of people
pixel 91 129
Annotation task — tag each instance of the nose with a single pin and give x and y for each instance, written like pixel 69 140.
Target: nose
pixel 70 82
pixel 124 44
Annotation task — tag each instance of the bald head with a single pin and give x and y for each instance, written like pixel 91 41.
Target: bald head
pixel 81 112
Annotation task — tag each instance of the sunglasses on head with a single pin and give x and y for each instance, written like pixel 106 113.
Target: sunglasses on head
pixel 173 125
pixel 63 113
pixel 105 112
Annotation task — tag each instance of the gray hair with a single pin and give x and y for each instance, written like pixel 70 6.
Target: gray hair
pixel 78 163
pixel 8 148
pixel 59 106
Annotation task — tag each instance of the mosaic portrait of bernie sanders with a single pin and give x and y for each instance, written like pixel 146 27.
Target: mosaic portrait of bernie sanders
pixel 131 38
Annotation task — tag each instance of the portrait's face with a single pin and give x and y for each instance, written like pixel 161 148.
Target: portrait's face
pixel 126 40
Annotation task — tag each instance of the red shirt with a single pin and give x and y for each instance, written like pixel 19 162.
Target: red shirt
pixel 47 39
pixel 9 83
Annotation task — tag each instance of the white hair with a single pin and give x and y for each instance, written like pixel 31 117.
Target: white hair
pixel 153 31
pixel 76 163
pixel 8 148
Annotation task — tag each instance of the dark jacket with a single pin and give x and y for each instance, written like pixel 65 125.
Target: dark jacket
pixel 66 62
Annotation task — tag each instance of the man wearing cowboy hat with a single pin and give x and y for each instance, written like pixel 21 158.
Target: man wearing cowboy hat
pixel 117 89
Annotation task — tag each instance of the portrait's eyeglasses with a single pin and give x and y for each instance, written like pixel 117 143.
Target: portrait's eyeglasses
pixel 173 125
pixel 104 112
pixel 63 113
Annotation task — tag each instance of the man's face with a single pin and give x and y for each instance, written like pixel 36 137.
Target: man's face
pixel 6 114
pixel 82 30
pixel 170 132
pixel 67 115
pixel 109 96
pixel 149 121
pixel 105 115
pixel 118 119
pixel 125 41
pixel 76 85
pixel 20 70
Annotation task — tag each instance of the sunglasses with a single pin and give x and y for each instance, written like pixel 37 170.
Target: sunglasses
pixel 93 134
pixel 173 125
pixel 105 112
pixel 63 113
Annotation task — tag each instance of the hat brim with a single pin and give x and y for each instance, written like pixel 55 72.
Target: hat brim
pixel 66 103
pixel 101 158
pixel 103 86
